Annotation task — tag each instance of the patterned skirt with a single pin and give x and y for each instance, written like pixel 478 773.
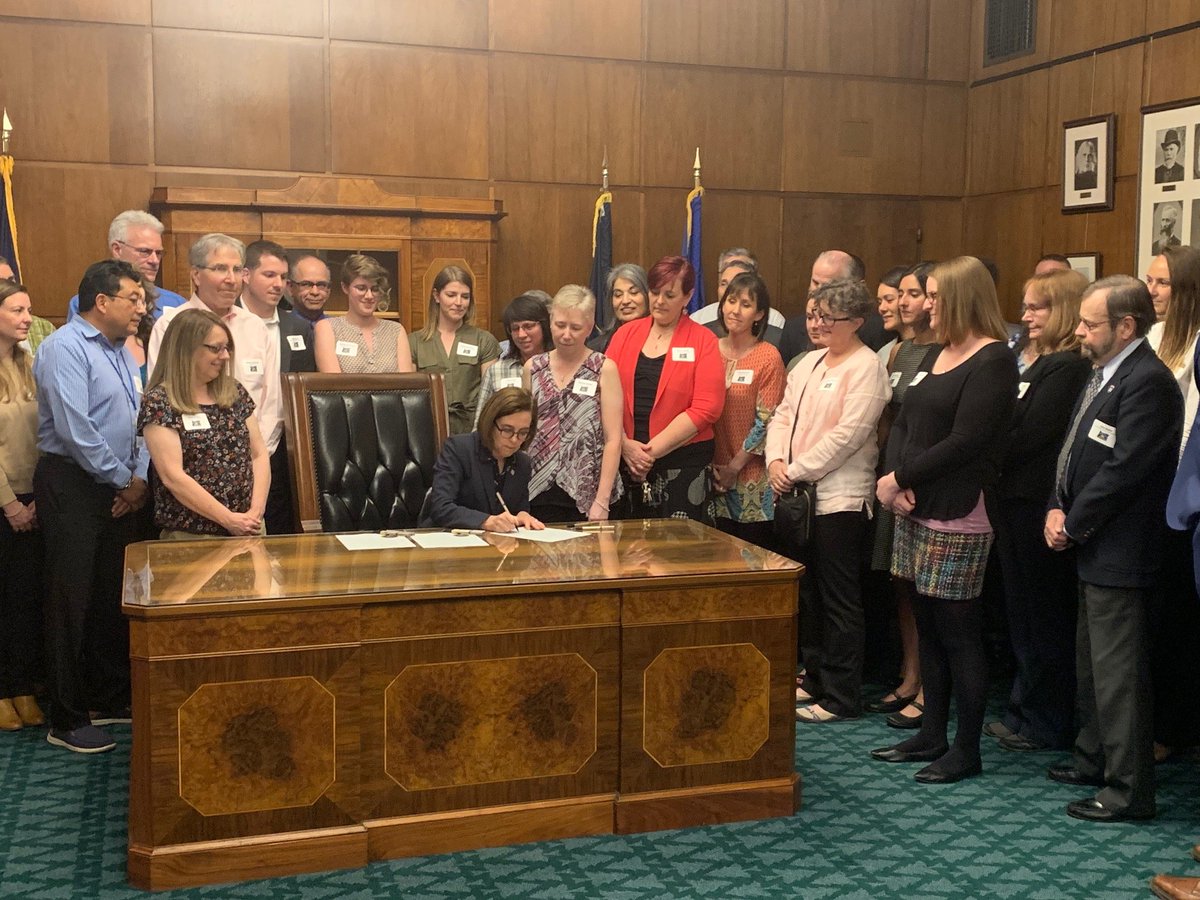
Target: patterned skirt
pixel 946 565
pixel 683 493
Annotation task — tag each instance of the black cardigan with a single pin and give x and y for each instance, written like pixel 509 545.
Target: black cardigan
pixel 1040 421
pixel 947 442
pixel 464 485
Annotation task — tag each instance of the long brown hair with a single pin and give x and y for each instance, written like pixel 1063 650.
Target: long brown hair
pixel 173 369
pixel 21 388
pixel 1183 315
pixel 445 277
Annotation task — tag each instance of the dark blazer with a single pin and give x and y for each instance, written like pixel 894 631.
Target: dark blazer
pixel 1048 391
pixel 1115 497
pixel 464 485
pixel 295 360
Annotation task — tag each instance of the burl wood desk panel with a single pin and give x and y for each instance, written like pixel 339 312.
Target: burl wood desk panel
pixel 300 707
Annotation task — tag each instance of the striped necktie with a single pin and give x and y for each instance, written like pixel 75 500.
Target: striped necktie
pixel 1064 455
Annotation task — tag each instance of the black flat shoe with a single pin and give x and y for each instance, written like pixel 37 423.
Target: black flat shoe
pixel 1092 810
pixel 892 755
pixel 899 720
pixel 896 704
pixel 1068 774
pixel 930 775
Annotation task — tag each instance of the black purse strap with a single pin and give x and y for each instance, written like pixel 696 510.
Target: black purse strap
pixel 799 400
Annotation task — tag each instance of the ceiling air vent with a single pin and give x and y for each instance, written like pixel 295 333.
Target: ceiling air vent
pixel 1008 30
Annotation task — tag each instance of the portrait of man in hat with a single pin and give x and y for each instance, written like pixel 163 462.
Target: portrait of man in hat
pixel 1170 169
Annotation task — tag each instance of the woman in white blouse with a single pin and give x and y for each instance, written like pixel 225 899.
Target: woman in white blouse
pixel 824 432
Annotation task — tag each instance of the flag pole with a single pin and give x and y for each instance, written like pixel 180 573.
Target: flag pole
pixel 5 132
pixel 696 170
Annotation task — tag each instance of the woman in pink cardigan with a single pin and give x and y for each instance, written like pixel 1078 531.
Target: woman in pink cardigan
pixel 673 383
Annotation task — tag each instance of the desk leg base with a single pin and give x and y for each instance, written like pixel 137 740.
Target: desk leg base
pixel 472 829
pixel 710 805
pixel 243 859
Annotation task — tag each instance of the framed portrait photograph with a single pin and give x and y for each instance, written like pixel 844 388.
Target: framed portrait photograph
pixel 1086 264
pixel 1168 210
pixel 1088 164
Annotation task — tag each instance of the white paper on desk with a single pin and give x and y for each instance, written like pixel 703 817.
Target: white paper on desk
pixel 371 541
pixel 440 540
pixel 545 536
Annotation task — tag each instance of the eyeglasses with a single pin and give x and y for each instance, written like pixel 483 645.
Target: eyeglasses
pixel 829 320
pixel 135 299
pixel 322 286
pixel 1092 326
pixel 216 349
pixel 224 270
pixel 522 327
pixel 143 252
pixel 1032 307
pixel 509 432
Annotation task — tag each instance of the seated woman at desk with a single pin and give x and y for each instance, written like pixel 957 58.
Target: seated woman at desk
pixel 481 479
pixel 211 464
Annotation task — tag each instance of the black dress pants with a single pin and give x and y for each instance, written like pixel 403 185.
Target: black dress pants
pixel 280 517
pixel 87 638
pixel 20 609
pixel 831 612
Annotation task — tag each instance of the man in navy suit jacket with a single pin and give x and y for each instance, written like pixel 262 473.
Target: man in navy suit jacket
pixel 1114 475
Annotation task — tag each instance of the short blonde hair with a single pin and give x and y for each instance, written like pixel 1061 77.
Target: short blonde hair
pixel 1061 290
pixel 359 265
pixel 575 296
pixel 966 301
pixel 185 335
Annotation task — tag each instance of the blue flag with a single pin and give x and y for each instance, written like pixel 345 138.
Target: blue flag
pixel 602 246
pixel 8 218
pixel 691 245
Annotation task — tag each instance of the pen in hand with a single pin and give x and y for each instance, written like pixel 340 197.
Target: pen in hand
pixel 504 506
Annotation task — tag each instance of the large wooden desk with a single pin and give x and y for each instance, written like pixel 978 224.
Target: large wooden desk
pixel 299 707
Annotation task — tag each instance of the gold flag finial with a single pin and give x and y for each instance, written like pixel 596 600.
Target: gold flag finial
pixel 604 169
pixel 696 169
pixel 5 132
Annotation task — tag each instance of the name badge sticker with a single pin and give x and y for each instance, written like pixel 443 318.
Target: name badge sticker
pixel 584 387
pixel 511 381
pixel 828 384
pixel 137 383
pixel 346 348
pixel 1103 433
pixel 895 379
pixel 252 366
pixel 683 354
pixel 470 351
pixel 296 341
pixel 917 379
pixel 1021 389
pixel 197 422
pixel 743 376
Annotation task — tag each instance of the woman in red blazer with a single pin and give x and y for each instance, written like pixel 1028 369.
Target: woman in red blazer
pixel 673 382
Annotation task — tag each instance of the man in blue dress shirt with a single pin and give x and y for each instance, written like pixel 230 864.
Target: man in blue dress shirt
pixel 89 485
pixel 136 237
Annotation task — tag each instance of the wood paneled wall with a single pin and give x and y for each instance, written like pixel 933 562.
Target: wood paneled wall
pixel 1014 173
pixel 821 122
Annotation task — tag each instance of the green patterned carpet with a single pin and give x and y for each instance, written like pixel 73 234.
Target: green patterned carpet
pixel 866 831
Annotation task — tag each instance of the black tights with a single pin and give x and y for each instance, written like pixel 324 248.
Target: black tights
pixel 950 634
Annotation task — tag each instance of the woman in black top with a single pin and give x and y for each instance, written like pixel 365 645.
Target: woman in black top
pixel 944 450
pixel 1039 583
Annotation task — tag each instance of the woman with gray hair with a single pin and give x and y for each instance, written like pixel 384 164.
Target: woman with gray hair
pixel 823 433
pixel 627 294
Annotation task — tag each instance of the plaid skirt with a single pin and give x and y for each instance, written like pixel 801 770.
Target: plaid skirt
pixel 946 565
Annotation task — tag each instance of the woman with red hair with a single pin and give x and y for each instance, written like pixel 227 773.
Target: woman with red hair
pixel 673 382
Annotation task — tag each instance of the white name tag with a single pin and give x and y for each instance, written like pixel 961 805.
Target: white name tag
pixel 197 422
pixel 1103 434
pixel 584 388
pixel 742 376
pixel 137 382
pixel 1021 389
pixel 346 348
pixel 252 366
pixel 683 354
pixel 296 341
pixel 828 384
pixel 917 379
pixel 468 350
pixel 511 381
pixel 895 379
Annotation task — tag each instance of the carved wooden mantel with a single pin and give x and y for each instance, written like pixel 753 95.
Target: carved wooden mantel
pixel 414 236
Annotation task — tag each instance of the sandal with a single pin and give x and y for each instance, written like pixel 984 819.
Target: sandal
pixel 899 720
pixel 884 705
pixel 815 715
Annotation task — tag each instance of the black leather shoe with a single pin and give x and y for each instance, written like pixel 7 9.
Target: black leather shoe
pixel 1092 810
pixel 1020 743
pixel 896 704
pixel 891 754
pixel 930 775
pixel 900 720
pixel 1068 774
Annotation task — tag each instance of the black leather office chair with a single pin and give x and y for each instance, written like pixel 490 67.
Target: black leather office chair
pixel 362 447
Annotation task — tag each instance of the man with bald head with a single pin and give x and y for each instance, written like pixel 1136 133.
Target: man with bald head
pixel 828 265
